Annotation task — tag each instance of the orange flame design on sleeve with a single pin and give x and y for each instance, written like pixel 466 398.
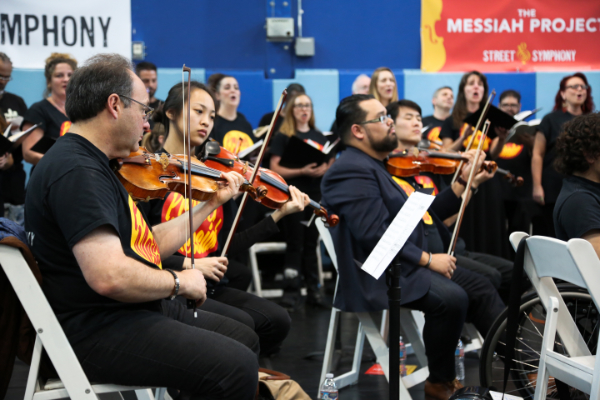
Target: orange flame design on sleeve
pixel 142 240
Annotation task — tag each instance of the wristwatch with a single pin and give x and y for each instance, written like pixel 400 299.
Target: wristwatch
pixel 461 181
pixel 176 288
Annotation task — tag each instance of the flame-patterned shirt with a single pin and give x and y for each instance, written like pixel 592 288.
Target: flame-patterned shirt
pixel 73 191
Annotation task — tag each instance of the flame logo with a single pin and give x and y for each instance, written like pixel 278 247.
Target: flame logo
pixel 522 53
pixel 64 128
pixel 427 183
pixel 236 141
pixel 486 144
pixel 205 237
pixel 511 150
pixel 142 240
pixel 408 189
pixel 434 134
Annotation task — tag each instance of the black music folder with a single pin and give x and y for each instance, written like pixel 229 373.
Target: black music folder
pixel 298 153
pixel 496 116
pixel 43 145
pixel 5 145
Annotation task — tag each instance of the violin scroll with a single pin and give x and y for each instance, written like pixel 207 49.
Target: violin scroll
pixel 329 220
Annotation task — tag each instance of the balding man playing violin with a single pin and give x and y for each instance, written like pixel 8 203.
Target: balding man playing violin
pixel 363 194
pixel 101 263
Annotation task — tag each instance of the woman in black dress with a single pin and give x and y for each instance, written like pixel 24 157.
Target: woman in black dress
pixel 484 223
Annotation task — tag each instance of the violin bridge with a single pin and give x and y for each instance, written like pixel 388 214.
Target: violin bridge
pixel 245 169
pixel 164 161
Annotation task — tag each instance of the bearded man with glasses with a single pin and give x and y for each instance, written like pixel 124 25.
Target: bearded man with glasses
pixel 360 190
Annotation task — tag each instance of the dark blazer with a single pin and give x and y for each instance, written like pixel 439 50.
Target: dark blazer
pixel 363 194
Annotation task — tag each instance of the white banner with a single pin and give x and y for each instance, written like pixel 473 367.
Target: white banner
pixel 30 30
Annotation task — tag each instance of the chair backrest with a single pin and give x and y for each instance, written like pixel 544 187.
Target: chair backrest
pixel 45 323
pixel 547 258
pixel 327 240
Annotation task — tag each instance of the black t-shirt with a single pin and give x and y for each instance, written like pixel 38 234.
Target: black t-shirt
pixel 308 185
pixel 156 103
pixel 12 180
pixel 552 126
pixel 577 209
pixel 229 133
pixel 434 127
pixel 47 117
pixel 72 193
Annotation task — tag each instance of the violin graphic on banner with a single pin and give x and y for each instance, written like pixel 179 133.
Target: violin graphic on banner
pixel 433 52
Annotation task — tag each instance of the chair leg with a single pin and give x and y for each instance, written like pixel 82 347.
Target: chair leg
pixel 144 394
pixel 33 384
pixel 320 263
pixel 375 340
pixel 413 334
pixel 255 273
pixel 330 346
pixel 160 393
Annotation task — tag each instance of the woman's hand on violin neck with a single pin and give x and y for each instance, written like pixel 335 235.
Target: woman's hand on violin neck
pixel 443 264
pixel 227 191
pixel 481 177
pixel 297 202
pixel 192 285
pixel 211 267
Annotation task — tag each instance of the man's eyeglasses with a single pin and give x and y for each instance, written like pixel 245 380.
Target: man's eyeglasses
pixel 147 109
pixel 383 119
pixel 575 87
pixel 515 106
pixel 5 78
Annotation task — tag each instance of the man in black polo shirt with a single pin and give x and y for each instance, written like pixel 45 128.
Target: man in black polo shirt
pixel 101 263
pixel 577 209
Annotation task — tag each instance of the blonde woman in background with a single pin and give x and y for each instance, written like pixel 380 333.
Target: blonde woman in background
pixel 300 256
pixel 383 86
pixel 49 114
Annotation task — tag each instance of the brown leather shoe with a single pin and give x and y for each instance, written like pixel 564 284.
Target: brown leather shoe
pixel 441 391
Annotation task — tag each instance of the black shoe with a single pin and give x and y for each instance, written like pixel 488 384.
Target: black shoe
pixel 316 298
pixel 291 301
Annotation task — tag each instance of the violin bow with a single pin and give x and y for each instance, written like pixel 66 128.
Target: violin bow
pixel 256 168
pixel 188 148
pixel 470 144
pixel 463 205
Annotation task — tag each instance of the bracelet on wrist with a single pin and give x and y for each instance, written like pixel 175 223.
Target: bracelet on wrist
pixel 429 262
pixel 176 288
pixel 461 181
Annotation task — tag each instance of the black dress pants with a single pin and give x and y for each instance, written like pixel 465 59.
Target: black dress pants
pixel 469 297
pixel 270 321
pixel 209 357
pixel 497 269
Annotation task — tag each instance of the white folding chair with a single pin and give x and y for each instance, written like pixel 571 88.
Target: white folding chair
pixel 73 382
pixel 274 247
pixel 576 262
pixel 366 328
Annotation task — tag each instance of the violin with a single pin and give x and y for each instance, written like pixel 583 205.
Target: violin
pixel 277 190
pixel 405 164
pixel 149 176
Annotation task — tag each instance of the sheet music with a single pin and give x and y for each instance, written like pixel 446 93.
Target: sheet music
pixel 397 234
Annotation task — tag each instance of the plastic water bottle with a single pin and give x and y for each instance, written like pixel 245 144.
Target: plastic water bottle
pixel 402 358
pixel 459 361
pixel 328 390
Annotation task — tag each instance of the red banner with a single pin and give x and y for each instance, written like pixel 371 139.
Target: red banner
pixel 509 35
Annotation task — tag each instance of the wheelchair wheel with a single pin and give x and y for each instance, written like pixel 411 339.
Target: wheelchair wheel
pixel 523 368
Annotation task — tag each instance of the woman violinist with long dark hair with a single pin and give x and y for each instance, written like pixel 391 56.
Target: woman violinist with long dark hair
pixel 227 280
